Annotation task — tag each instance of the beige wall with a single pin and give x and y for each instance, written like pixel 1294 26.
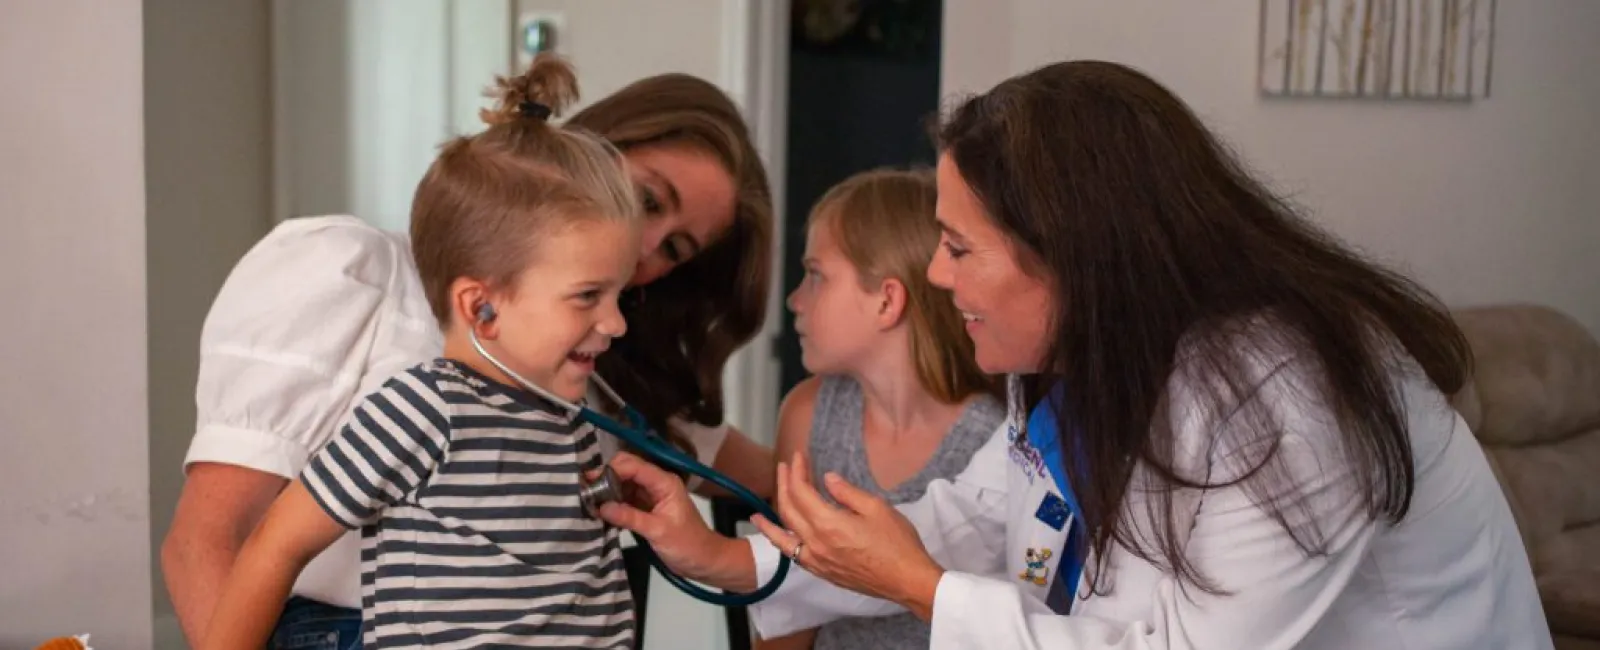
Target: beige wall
pixel 616 42
pixel 208 161
pixel 1487 202
pixel 363 104
pixel 74 491
pixel 370 88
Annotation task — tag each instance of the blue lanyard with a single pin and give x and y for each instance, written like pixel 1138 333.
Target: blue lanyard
pixel 1043 436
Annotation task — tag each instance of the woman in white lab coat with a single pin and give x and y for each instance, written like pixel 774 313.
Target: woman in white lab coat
pixel 1262 453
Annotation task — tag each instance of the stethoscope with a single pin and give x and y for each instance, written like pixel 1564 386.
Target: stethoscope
pixel 637 433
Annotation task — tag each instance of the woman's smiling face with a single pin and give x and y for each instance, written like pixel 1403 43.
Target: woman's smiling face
pixel 1007 310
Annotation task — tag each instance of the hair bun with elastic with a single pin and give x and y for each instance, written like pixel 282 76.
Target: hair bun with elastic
pixel 546 89
pixel 534 110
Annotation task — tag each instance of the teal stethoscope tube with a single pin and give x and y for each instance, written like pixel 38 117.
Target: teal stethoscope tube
pixel 637 434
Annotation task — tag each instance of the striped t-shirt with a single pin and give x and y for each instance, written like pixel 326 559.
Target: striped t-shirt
pixel 466 494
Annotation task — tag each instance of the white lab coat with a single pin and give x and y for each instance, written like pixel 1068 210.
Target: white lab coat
pixel 1453 574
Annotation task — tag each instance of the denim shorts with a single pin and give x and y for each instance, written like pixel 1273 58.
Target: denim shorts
pixel 310 625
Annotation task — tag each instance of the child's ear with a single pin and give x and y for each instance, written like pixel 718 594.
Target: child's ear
pixel 470 306
pixel 892 309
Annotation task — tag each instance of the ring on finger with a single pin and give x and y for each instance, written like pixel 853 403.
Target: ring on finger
pixel 794 555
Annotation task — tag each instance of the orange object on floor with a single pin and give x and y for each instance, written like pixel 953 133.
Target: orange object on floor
pixel 80 642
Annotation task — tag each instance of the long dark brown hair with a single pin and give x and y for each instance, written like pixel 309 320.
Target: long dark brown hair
pixel 683 327
pixel 1157 240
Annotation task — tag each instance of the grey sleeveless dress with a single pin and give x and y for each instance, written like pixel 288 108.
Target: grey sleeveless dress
pixel 836 446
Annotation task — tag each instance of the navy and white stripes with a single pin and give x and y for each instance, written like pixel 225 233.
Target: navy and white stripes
pixel 466 492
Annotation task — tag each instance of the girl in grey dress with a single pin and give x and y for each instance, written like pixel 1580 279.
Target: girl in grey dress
pixel 896 400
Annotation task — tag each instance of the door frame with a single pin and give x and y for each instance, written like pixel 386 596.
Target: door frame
pixel 755 73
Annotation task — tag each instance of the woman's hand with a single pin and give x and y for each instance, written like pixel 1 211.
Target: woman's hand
pixel 865 545
pixel 659 510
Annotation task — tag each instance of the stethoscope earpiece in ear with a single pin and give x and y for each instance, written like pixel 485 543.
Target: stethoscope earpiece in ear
pixel 485 313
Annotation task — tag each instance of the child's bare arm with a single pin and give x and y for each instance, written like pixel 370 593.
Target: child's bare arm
pixel 794 420
pixel 387 448
pixel 294 530
pixel 747 462
pixel 754 465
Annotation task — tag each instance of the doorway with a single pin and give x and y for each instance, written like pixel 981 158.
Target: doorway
pixel 863 85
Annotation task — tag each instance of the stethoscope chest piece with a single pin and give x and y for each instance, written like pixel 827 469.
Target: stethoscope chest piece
pixel 602 490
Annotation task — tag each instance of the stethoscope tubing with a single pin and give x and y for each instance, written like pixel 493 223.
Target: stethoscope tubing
pixel 636 433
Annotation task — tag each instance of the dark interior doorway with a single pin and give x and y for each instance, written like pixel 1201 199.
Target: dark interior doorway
pixel 863 83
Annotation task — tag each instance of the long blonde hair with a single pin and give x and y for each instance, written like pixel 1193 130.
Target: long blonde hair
pixel 883 220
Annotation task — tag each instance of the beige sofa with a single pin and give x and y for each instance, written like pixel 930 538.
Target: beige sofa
pixel 1534 403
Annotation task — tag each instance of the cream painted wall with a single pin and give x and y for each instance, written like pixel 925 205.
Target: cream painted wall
pixel 208 165
pixel 74 487
pixel 370 88
pixel 1487 202
pixel 362 104
pixel 615 42
pixel 479 48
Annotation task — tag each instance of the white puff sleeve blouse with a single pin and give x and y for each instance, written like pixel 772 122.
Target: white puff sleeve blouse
pixel 316 315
